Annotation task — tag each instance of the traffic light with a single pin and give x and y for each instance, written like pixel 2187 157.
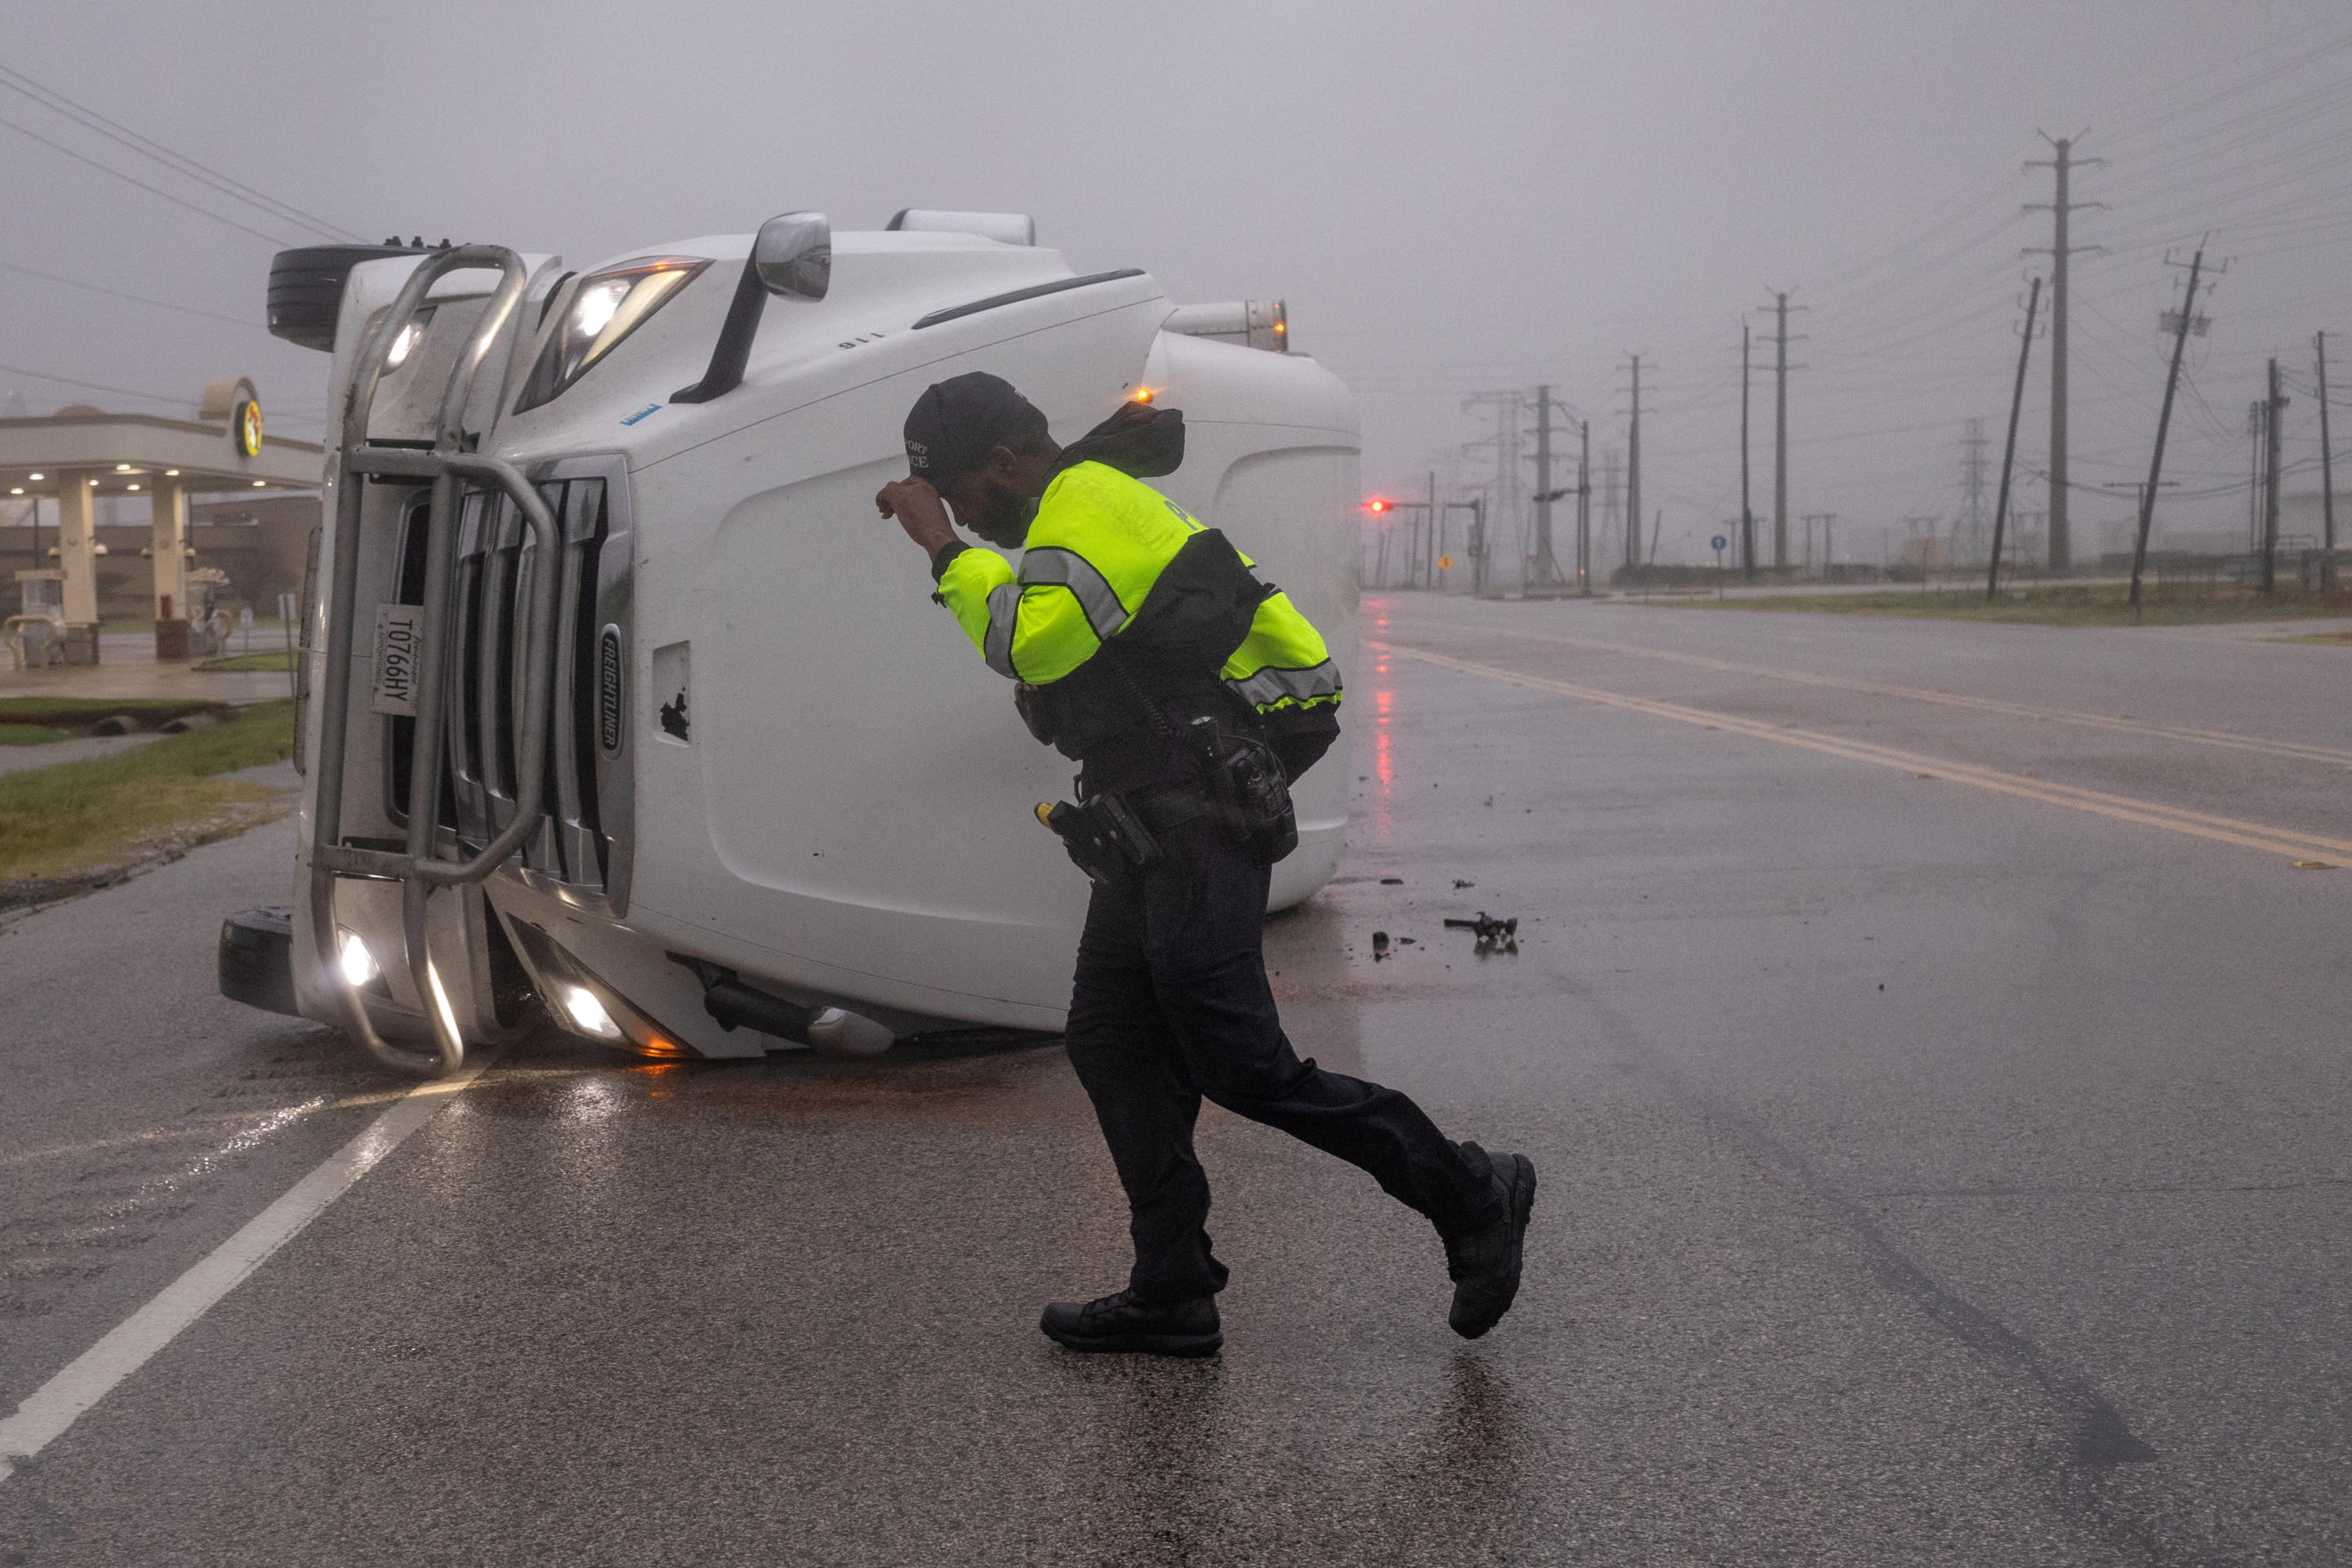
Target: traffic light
pixel 1376 504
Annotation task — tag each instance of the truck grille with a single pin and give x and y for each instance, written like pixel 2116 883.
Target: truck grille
pixel 496 566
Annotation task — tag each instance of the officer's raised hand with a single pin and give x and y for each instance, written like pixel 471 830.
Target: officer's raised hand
pixel 920 511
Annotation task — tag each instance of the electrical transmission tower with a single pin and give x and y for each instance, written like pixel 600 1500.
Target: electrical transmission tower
pixel 2060 207
pixel 1828 520
pixel 1973 488
pixel 1505 516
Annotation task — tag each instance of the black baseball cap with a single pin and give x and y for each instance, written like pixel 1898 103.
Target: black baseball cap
pixel 957 422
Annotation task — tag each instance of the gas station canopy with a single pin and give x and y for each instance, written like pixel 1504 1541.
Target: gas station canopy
pixel 77 454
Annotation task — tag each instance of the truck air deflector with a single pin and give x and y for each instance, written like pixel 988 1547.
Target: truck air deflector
pixel 1034 291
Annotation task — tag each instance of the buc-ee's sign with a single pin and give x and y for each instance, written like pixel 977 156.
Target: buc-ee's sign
pixel 245 426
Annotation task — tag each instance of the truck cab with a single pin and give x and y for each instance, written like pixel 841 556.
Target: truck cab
pixel 618 699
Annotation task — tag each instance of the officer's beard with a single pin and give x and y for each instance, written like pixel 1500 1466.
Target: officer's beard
pixel 1004 517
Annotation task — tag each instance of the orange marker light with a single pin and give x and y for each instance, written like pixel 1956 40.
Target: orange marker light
pixel 1143 394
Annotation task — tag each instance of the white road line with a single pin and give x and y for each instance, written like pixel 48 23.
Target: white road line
pixel 57 1403
pixel 2302 749
pixel 2301 847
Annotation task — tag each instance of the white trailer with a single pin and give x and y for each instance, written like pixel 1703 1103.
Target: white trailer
pixel 619 697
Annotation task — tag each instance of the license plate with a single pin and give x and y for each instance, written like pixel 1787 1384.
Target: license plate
pixel 399 642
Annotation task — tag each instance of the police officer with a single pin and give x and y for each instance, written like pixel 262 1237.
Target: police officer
pixel 1145 647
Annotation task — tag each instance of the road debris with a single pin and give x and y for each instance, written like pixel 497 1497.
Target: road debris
pixel 1494 934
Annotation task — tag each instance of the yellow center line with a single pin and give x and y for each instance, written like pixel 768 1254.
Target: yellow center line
pixel 2294 845
pixel 2299 750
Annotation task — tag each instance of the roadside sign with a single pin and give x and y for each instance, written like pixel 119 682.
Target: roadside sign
pixel 1445 563
pixel 1718 545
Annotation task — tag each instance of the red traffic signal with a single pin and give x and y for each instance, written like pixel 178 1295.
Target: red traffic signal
pixel 1376 504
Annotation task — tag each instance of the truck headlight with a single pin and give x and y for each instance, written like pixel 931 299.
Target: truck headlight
pixel 406 342
pixel 606 307
pixel 587 1012
pixel 358 965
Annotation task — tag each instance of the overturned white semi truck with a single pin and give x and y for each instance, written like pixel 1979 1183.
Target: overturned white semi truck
pixel 617 698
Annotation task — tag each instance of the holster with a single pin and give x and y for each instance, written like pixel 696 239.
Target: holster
pixel 1105 838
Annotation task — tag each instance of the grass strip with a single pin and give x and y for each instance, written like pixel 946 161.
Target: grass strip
pixel 111 810
pixel 30 734
pixel 2082 605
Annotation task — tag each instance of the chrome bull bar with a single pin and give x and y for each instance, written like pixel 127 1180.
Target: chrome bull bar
pixel 420 869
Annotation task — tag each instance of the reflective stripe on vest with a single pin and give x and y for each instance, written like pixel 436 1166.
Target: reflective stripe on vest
pixel 1054 566
pixel 1003 610
pixel 1270 688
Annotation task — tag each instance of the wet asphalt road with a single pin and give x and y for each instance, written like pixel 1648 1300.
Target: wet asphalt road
pixel 1936 1171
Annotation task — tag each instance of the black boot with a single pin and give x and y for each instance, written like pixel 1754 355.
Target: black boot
pixel 1484 1264
pixel 1117 1323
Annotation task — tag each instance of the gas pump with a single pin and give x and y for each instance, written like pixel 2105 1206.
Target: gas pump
pixel 37 633
pixel 207 624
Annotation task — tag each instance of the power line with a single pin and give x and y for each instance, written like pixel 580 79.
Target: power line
pixel 151 190
pixel 135 298
pixel 133 391
pixel 179 162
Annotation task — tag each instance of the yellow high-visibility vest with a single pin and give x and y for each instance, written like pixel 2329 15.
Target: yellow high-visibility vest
pixel 1098 547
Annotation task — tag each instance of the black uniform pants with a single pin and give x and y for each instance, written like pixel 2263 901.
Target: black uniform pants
pixel 1170 1003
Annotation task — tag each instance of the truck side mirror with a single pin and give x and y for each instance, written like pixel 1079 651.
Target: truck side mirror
pixel 793 255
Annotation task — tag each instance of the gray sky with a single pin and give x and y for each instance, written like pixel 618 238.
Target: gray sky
pixel 1451 198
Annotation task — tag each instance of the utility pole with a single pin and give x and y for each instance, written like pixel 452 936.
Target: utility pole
pixel 2008 452
pixel 2271 423
pixel 1747 513
pixel 2257 418
pixel 1780 340
pixel 1434 517
pixel 1543 566
pixel 1584 507
pixel 1610 517
pixel 1780 438
pixel 2326 460
pixel 2060 208
pixel 1633 475
pixel 2163 423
